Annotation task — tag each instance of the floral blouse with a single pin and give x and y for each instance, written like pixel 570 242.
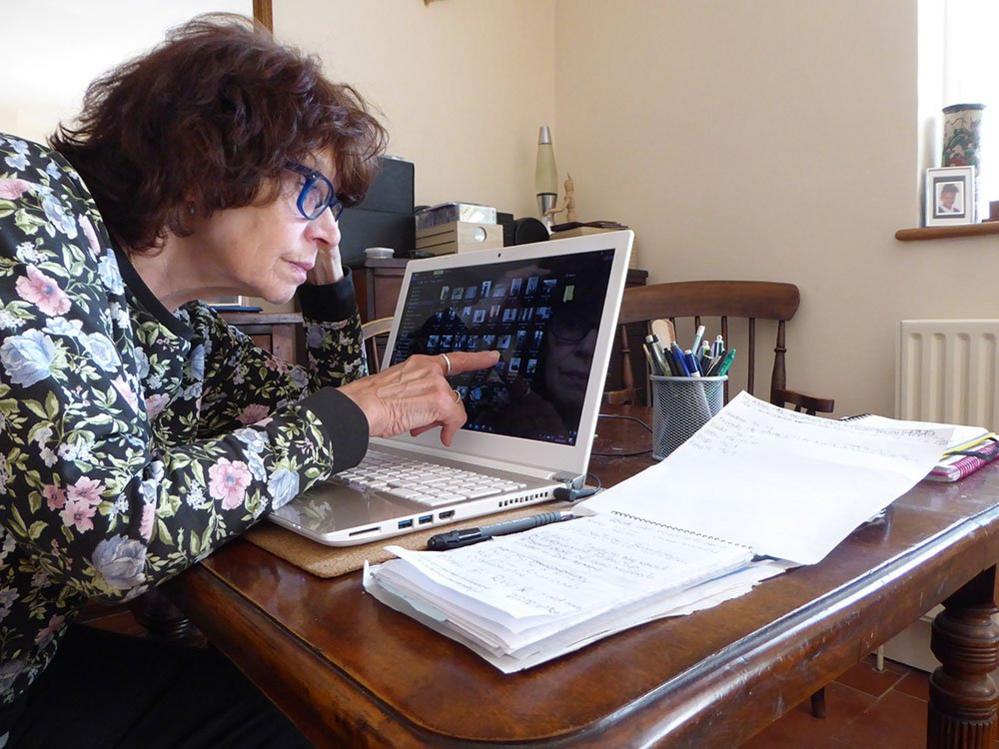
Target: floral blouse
pixel 134 441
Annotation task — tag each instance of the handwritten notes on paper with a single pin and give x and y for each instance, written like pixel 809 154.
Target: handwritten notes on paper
pixel 787 485
pixel 753 424
pixel 523 599
pixel 564 568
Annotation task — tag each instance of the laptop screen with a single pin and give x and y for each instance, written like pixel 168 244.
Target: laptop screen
pixel 542 315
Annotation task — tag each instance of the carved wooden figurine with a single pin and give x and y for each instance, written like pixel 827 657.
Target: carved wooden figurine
pixel 569 205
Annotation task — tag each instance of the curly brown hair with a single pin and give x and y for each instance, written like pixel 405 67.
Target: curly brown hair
pixel 205 121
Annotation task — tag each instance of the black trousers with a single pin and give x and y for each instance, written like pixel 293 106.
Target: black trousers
pixel 109 690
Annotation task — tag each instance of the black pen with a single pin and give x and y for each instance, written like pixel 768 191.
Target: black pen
pixel 653 367
pixel 468 536
pixel 659 355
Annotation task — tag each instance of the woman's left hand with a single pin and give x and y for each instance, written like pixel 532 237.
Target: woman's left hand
pixel 328 268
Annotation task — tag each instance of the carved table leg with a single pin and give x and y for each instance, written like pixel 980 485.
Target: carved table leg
pixel 963 697
pixel 165 621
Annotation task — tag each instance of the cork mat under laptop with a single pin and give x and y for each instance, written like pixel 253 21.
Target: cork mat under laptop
pixel 333 561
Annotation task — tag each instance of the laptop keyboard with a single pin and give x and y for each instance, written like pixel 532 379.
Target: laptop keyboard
pixel 419 481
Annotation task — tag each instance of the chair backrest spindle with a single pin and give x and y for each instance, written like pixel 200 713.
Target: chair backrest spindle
pixel 627 376
pixel 779 378
pixel 724 334
pixel 370 332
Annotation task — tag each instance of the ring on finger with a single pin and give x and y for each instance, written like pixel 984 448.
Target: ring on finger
pixel 447 364
pixel 457 396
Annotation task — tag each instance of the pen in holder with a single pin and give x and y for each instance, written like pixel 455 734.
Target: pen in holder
pixel 681 406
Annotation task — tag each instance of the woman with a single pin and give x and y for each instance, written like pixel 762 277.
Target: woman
pixel 139 432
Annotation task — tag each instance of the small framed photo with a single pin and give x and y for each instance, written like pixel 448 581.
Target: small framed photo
pixel 950 196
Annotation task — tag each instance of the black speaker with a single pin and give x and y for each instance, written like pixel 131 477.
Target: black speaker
pixel 527 230
pixel 384 218
pixel 521 230
pixel 392 189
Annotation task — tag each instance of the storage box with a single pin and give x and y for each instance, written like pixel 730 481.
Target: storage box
pixel 448 213
pixel 459 236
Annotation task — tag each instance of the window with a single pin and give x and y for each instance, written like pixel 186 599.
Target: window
pixel 971 75
pixel 53 49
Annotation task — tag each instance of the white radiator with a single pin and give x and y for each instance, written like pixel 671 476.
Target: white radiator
pixel 947 371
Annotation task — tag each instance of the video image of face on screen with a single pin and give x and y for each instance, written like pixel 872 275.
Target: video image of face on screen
pixel 542 315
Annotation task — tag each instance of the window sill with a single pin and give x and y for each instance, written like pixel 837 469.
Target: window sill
pixel 947 232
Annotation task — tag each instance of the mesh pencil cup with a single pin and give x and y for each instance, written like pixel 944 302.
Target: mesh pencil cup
pixel 681 406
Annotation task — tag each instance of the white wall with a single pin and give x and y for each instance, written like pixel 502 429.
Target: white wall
pixel 52 49
pixel 463 85
pixel 770 140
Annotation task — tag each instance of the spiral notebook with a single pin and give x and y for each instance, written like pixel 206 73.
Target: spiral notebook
pixel 563 585
pixel 969 449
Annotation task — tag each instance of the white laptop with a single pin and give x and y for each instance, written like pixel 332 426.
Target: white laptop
pixel 551 310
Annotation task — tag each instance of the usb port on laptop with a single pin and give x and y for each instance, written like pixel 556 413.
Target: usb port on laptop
pixel 406 523
pixel 426 519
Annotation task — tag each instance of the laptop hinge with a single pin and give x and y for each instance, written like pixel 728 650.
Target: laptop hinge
pixel 571 480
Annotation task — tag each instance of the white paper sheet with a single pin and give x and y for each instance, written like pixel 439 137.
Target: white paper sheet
pixel 962 433
pixel 787 485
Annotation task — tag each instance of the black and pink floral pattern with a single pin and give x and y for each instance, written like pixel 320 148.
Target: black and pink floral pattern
pixel 133 441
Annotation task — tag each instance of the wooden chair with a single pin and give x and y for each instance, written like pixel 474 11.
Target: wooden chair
pixel 370 332
pixel 752 300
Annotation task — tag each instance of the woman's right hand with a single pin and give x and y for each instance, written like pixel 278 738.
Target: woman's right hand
pixel 414 396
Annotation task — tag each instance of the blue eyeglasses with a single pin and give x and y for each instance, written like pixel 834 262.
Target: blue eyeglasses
pixel 317 193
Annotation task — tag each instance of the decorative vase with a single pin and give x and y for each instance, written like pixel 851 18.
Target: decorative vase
pixel 962 135
pixel 962 144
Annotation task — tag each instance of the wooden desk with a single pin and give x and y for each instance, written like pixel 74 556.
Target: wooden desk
pixel 351 672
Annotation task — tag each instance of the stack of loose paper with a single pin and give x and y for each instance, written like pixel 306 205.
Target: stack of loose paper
pixel 517 600
pixel 955 463
pixel 676 538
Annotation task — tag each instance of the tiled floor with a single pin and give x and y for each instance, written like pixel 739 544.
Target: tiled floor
pixel 864 708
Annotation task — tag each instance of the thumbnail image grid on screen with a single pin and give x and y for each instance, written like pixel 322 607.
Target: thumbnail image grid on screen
pixel 542 315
